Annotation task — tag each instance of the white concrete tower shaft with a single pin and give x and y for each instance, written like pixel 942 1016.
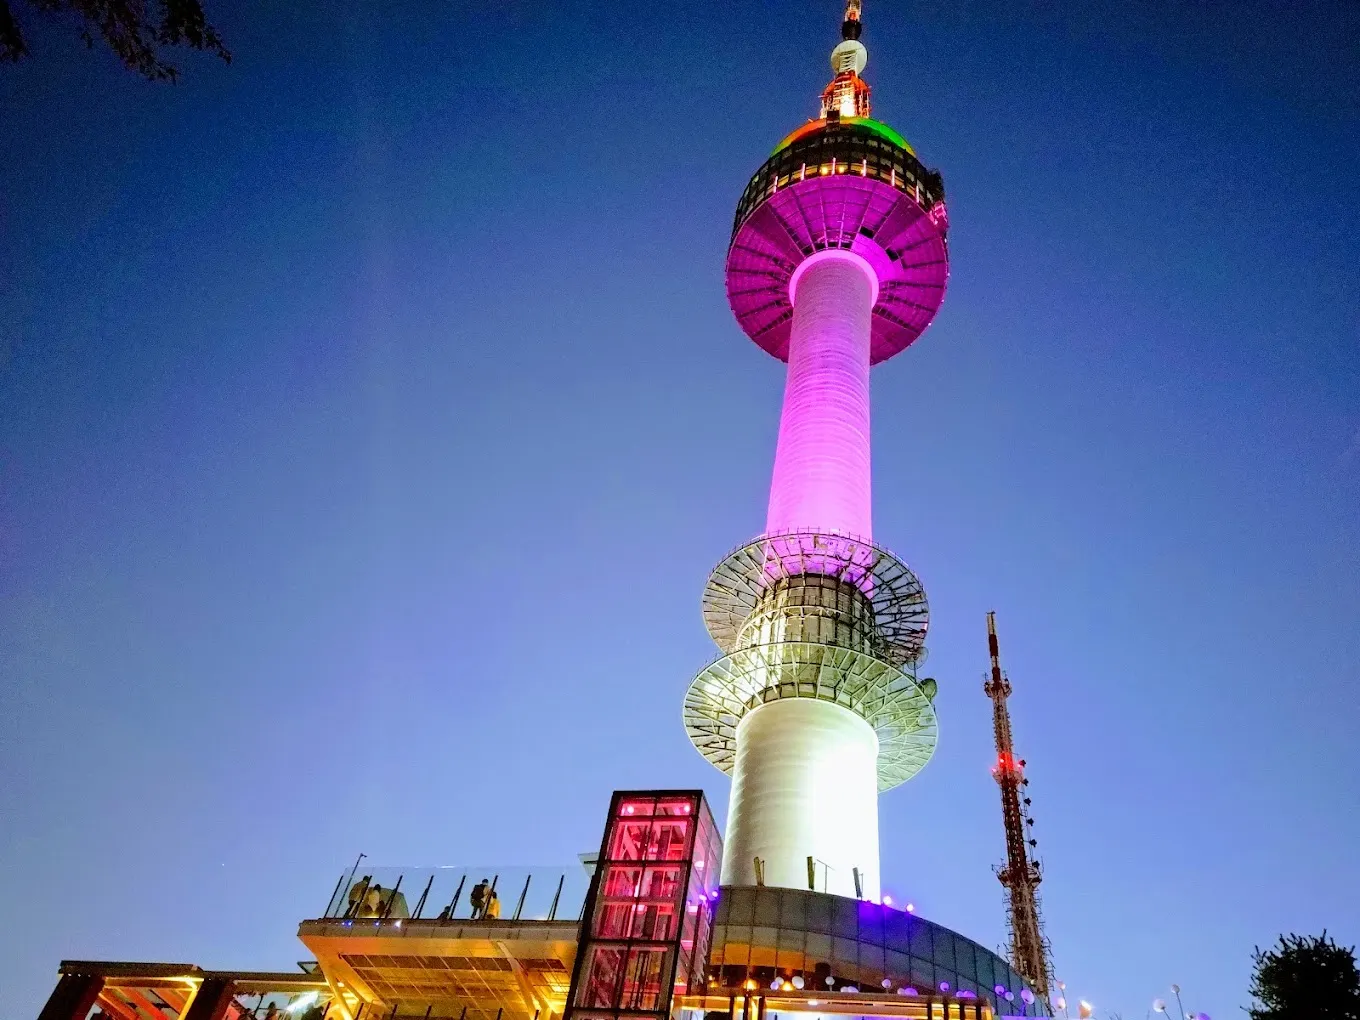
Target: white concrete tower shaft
pixel 822 478
pixel 838 261
pixel 805 782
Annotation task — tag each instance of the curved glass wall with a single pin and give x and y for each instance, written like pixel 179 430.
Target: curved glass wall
pixel 849 147
pixel 764 934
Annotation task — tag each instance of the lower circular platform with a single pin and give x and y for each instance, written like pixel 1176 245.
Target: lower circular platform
pixel 885 697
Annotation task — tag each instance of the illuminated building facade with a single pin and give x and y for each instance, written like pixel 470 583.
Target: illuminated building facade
pixel 838 261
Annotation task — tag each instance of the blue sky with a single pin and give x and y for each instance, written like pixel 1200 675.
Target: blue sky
pixel 371 415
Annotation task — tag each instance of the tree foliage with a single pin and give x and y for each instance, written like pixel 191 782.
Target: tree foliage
pixel 135 30
pixel 1305 978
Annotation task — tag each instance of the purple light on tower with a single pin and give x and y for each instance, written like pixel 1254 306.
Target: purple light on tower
pixel 833 272
pixel 821 464
pixel 838 261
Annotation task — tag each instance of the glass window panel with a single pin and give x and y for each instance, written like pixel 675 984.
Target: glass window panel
pixel 636 807
pixel 898 965
pixel 740 904
pixel 791 938
pixel 844 923
pixel 897 926
pixel 738 951
pixel 716 955
pixel 944 949
pixel 642 988
pixel 922 974
pixel 762 953
pixel 871 959
pixel 656 923
pixel 789 958
pixel 818 913
pixel 613 920
pixel 986 978
pixel 629 840
pixel 705 873
pixel 964 962
pixel 764 936
pixel 690 925
pixel 767 906
pixel 670 839
pixel 620 882
pixel 686 969
pixel 739 935
pixel 675 806
pixel 870 923
pixel 845 951
pixel 793 912
pixel 818 947
pixel 919 941
pixel 600 988
pixel 662 884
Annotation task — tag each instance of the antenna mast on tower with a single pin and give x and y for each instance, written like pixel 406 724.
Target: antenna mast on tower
pixel 848 93
pixel 1019 875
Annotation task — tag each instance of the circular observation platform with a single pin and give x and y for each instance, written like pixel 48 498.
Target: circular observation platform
pixel 888 699
pixel 895 595
pixel 852 184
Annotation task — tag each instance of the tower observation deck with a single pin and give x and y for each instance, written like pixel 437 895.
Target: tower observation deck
pixel 838 261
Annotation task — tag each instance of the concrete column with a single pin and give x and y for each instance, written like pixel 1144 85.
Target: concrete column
pixel 821 464
pixel 805 783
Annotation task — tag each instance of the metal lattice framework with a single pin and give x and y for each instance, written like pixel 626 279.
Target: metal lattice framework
pixel 901 613
pixel 888 699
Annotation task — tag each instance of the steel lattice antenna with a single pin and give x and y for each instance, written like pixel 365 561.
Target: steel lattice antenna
pixel 1019 875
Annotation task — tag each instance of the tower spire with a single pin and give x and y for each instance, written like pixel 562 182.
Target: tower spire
pixel 848 93
pixel 1019 875
pixel 850 27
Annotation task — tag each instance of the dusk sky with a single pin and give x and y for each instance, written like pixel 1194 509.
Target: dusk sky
pixel 371 415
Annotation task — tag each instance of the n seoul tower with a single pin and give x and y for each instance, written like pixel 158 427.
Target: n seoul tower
pixel 838 261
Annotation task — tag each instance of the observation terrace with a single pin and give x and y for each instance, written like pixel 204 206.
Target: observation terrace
pixel 442 957
pixel 852 184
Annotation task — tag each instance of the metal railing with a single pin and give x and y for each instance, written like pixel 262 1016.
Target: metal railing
pixel 453 893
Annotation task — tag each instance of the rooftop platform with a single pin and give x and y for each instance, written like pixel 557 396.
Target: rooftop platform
pixel 382 955
pixel 473 970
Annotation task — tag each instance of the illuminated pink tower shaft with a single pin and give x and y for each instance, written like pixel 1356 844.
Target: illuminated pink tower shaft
pixel 838 261
pixel 821 465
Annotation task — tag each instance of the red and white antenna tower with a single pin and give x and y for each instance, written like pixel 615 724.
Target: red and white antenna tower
pixel 1019 875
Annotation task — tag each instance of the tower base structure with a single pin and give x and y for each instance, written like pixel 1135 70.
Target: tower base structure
pixel 648 930
pixel 815 709
pixel 804 807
